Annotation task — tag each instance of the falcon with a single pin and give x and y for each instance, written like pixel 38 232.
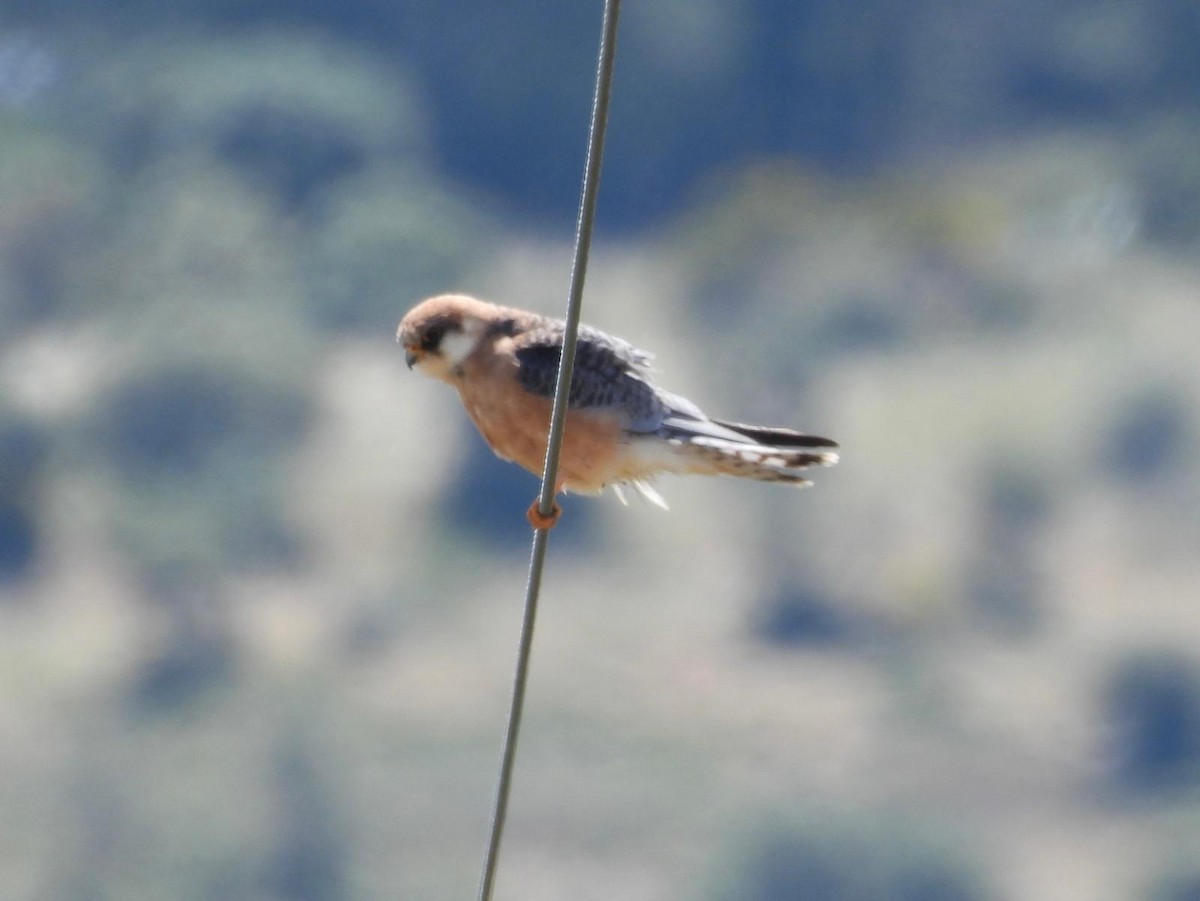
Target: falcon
pixel 621 429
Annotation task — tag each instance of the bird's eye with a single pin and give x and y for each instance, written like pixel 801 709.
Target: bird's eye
pixel 432 337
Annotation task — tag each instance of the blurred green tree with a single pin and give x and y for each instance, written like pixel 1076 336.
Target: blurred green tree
pixel 1152 707
pixel 847 862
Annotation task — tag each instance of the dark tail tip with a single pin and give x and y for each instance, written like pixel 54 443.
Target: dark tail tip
pixel 777 437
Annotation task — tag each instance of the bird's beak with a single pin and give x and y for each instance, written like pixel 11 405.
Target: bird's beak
pixel 410 357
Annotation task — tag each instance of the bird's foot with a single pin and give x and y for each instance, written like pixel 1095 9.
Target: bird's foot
pixel 538 521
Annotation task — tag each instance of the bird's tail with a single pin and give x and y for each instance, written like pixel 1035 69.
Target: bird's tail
pixel 753 452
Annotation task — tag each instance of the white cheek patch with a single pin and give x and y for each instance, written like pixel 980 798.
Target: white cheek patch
pixel 457 346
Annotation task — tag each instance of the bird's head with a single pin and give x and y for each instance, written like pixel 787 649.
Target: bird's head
pixel 439 334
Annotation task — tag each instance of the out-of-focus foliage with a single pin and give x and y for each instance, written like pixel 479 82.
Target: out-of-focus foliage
pixel 22 461
pixel 702 84
pixel 1178 887
pixel 48 189
pixel 1149 434
pixel 381 231
pixel 1152 704
pixel 259 585
pixel 851 862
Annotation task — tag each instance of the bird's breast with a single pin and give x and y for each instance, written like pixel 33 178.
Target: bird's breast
pixel 515 425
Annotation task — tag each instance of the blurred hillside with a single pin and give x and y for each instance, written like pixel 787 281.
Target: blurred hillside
pixel 260 586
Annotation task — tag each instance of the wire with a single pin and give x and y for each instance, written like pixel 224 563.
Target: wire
pixel 583 242
pixel 566 366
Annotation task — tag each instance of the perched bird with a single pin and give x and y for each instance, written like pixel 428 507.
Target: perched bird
pixel 620 428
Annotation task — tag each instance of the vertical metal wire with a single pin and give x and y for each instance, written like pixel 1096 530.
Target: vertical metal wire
pixel 583 243
pixel 537 560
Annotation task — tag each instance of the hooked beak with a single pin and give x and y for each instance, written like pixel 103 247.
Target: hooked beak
pixel 410 357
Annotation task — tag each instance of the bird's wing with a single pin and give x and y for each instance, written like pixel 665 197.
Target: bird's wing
pixel 609 373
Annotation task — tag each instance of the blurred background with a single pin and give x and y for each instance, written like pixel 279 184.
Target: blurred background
pixel 260 587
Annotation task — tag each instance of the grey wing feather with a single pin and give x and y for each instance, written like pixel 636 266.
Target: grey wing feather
pixel 612 374
pixel 683 419
pixel 609 372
